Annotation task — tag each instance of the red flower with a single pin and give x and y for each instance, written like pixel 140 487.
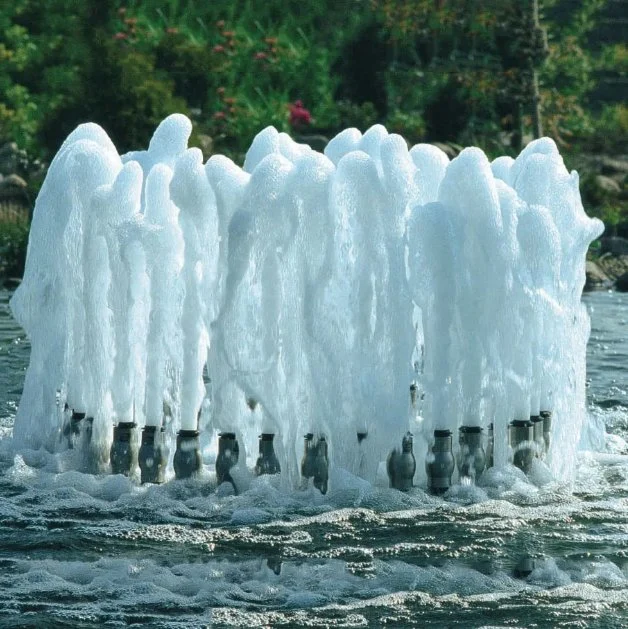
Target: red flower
pixel 299 116
pixel 220 115
pixel 120 36
pixel 218 48
pixel 260 55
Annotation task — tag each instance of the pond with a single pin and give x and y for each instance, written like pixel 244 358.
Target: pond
pixel 80 551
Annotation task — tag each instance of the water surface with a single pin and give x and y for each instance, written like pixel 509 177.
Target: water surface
pixel 83 551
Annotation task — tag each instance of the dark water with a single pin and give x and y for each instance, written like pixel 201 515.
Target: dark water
pixel 82 551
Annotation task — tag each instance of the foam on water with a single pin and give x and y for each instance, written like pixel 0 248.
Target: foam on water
pixel 164 567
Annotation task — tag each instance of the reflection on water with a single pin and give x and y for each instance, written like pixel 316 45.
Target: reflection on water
pixel 77 550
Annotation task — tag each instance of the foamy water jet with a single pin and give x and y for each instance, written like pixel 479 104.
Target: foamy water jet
pixel 312 290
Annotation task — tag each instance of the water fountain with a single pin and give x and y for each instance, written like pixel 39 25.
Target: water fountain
pixel 308 283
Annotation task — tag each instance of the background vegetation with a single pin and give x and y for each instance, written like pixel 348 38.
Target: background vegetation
pixel 456 71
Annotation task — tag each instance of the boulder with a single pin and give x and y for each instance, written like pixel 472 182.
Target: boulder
pixel 10 283
pixel 206 144
pixel 596 278
pixel 317 142
pixel 621 283
pixel 12 159
pixel 13 187
pixel 613 265
pixel 608 185
pixel 614 245
pixel 450 149
pixel 612 166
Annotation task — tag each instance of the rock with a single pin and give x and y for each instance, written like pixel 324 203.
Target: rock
pixel 596 278
pixel 11 283
pixel 449 148
pixel 206 144
pixel 607 185
pixel 317 142
pixel 9 149
pixel 621 283
pixel 12 159
pixel 13 187
pixel 614 245
pixel 611 166
pixel 15 181
pixel 613 265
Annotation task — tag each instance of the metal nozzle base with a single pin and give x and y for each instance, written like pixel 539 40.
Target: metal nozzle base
pixel 152 457
pixel 187 461
pixel 441 466
pixel 123 453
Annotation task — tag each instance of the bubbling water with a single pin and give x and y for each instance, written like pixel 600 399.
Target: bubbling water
pixel 311 290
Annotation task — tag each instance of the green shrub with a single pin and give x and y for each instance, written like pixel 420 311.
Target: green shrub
pixel 190 65
pixel 609 132
pixel 13 244
pixel 351 114
pixel 410 125
pixel 434 70
pixel 122 91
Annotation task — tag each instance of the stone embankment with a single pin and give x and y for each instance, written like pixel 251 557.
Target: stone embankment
pixel 16 170
pixel 610 270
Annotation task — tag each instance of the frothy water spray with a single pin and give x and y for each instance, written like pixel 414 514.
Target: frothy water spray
pixel 312 290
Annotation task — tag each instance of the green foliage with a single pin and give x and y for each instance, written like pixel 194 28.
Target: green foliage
pixel 123 92
pixel 13 243
pixel 349 114
pixel 606 203
pixel 614 58
pixel 190 64
pixel 411 125
pixel 609 130
pixel 18 111
pixel 429 69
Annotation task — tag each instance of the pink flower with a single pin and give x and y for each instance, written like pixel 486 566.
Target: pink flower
pixel 260 55
pixel 299 116
pixel 120 36
pixel 220 115
pixel 218 48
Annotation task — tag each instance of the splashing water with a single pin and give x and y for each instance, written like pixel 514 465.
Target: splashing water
pixel 305 286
